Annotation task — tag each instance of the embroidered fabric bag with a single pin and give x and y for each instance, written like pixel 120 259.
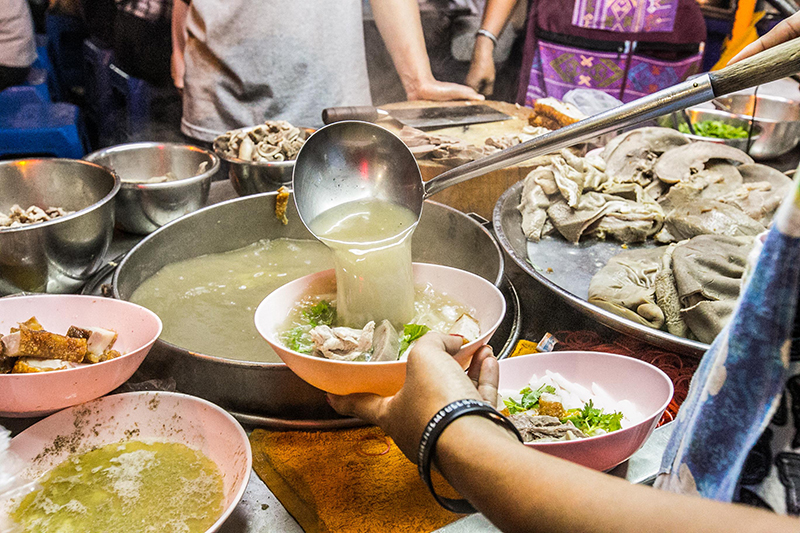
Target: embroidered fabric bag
pixel 626 48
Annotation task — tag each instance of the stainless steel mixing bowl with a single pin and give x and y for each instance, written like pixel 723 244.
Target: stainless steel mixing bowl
pixel 778 118
pixel 59 255
pixel 253 177
pixel 144 207
pixel 699 114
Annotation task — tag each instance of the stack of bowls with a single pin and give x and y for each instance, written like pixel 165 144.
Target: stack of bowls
pixel 61 254
pixel 144 207
pixel 777 118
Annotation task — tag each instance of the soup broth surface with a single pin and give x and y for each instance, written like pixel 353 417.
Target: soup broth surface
pixel 207 303
pixel 126 487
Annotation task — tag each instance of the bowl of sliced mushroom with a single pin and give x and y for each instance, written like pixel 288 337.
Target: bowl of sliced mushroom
pixel 261 158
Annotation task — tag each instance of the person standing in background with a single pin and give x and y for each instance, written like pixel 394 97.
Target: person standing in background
pixel 17 42
pixel 242 62
pixel 624 48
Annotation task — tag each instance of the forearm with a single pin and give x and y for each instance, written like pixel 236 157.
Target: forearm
pixel 496 15
pixel 520 489
pixel 400 27
pixel 180 10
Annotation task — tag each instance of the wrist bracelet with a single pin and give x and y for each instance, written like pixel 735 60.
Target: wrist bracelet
pixel 486 33
pixel 433 430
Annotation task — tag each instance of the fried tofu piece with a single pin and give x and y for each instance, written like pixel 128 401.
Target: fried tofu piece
pixel 467 327
pixel 44 345
pixel 550 405
pixel 561 112
pixel 98 342
pixel 28 365
pixel 281 203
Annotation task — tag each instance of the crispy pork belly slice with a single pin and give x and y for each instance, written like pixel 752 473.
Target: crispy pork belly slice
pixel 467 327
pixel 44 345
pixel 10 344
pixel 98 341
pixel 27 365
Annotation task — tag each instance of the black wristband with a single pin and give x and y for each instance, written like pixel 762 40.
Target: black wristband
pixel 433 430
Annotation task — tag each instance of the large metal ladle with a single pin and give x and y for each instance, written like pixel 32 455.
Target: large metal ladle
pixel 348 161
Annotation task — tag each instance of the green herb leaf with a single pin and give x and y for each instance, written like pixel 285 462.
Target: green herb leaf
pixel 529 400
pixel 320 314
pixel 298 339
pixel 590 419
pixel 411 332
pixel 715 128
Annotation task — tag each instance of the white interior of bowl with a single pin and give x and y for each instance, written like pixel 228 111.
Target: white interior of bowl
pixel 144 416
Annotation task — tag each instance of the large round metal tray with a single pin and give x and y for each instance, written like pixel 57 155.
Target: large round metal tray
pixel 567 269
pixel 269 393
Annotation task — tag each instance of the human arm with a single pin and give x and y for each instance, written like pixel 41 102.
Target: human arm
pixel 481 70
pixel 180 9
pixel 785 30
pixel 516 487
pixel 400 26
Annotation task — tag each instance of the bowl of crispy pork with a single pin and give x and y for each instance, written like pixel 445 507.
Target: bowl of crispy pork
pixel 61 350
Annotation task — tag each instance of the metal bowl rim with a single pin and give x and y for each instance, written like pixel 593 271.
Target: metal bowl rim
pixel 780 99
pixel 97 205
pixel 725 114
pixel 262 164
pixel 119 148
pixel 259 364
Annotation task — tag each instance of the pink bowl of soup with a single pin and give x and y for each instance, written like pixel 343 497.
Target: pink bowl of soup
pixel 41 393
pixel 646 387
pixel 379 377
pixel 151 420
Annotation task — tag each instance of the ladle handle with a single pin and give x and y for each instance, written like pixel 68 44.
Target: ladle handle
pixel 770 65
pixel 773 64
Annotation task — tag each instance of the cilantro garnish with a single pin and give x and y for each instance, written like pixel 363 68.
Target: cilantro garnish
pixel 529 400
pixel 590 419
pixel 411 332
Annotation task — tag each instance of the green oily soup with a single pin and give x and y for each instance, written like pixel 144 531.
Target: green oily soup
pixel 716 129
pixel 126 487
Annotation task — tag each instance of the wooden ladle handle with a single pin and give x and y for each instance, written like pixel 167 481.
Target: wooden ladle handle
pixel 773 64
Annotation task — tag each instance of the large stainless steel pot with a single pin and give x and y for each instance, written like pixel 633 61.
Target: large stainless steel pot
pixel 270 391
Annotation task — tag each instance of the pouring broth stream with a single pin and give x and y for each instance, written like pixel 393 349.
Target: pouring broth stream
pixel 371 245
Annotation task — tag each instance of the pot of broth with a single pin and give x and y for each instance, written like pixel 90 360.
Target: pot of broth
pixel 205 274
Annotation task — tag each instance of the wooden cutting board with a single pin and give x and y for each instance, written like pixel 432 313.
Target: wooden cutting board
pixel 480 194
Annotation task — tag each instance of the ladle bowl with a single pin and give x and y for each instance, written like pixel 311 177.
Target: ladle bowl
pixel 350 161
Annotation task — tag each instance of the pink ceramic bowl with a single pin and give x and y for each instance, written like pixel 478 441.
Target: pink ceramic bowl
pixel 144 416
pixel 384 378
pixel 41 393
pixel 623 378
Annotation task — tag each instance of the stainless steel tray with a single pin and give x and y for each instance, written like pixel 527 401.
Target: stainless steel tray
pixel 567 269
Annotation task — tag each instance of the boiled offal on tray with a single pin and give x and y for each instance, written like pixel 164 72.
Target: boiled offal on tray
pixel 30 348
pixel 672 198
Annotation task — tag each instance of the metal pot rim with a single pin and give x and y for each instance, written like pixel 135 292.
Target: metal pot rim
pixel 97 205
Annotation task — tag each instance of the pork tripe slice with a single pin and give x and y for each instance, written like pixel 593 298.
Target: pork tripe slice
pixel 343 344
